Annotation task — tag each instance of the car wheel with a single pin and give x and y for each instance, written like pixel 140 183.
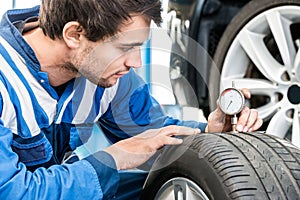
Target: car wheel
pixel 226 166
pixel 260 50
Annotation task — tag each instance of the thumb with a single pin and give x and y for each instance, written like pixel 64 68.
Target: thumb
pixel 218 113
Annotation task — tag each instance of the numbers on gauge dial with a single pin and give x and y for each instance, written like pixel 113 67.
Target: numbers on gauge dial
pixel 232 101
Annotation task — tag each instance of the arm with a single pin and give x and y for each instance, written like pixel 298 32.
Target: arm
pixel 88 178
pixel 134 110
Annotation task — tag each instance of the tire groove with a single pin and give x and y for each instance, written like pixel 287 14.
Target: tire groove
pixel 230 145
pixel 252 162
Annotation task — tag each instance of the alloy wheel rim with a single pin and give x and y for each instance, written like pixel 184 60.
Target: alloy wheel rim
pixel 252 49
pixel 180 188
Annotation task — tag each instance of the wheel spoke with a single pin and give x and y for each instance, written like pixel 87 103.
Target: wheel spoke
pixel 279 124
pixel 280 28
pixel 257 51
pixel 266 111
pixel 182 191
pixel 296 67
pixel 179 190
pixel 296 129
pixel 256 86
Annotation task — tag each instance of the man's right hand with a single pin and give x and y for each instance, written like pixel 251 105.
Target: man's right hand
pixel 134 151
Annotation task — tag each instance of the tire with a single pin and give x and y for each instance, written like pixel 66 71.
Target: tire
pixel 226 166
pixel 258 50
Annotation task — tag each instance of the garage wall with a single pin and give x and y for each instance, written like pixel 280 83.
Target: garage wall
pixel 9 4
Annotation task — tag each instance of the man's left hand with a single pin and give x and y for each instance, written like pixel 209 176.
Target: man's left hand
pixel 248 120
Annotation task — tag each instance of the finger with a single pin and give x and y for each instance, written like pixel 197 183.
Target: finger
pixel 244 116
pixel 172 141
pixel 246 93
pixel 252 118
pixel 218 113
pixel 162 140
pixel 179 130
pixel 256 125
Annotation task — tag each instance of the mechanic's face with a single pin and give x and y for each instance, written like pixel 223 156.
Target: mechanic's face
pixel 106 61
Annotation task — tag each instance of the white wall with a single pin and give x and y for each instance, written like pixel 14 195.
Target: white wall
pixel 5 5
pixel 26 3
pixel 8 4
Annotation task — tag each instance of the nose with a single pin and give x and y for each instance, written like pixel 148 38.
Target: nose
pixel 133 59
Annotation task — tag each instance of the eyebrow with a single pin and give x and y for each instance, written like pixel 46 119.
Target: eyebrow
pixel 132 44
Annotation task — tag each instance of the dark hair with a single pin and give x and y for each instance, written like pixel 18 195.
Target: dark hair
pixel 99 18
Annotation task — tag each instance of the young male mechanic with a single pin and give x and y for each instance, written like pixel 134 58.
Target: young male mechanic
pixel 65 65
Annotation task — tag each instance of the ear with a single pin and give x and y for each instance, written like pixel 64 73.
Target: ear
pixel 72 34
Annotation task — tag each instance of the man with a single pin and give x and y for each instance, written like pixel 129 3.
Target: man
pixel 65 66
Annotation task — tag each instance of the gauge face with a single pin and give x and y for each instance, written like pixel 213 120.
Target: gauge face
pixel 232 101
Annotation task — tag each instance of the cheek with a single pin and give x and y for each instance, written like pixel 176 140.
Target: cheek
pixel 114 66
pixel 106 56
pixel 103 62
pixel 94 64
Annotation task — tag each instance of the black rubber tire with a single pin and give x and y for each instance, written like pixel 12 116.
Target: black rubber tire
pixel 232 166
pixel 248 12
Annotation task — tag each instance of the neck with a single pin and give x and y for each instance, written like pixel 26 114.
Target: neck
pixel 52 56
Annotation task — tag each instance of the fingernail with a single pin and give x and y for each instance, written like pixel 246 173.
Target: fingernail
pixel 197 130
pixel 239 128
pixel 250 130
pixel 245 129
pixel 180 141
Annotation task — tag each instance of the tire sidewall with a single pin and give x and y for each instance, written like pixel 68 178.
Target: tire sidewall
pixel 199 171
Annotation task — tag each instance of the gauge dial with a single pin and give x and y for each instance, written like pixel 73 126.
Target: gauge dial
pixel 231 101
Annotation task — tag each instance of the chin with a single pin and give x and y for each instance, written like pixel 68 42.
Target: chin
pixel 107 83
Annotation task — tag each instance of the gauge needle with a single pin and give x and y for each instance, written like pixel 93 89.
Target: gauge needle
pixel 229 105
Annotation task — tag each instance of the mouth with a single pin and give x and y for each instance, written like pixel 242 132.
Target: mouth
pixel 120 74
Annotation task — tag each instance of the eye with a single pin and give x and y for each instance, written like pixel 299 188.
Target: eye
pixel 126 49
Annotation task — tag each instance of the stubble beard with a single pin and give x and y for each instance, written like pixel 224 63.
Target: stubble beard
pixel 105 83
pixel 96 77
pixel 69 67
